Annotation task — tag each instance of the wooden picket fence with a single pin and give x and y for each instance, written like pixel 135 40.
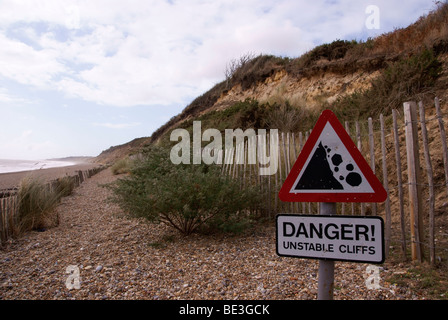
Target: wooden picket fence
pixel 395 146
pixel 406 149
pixel 9 202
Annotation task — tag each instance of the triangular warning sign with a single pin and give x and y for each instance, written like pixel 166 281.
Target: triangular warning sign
pixel 330 168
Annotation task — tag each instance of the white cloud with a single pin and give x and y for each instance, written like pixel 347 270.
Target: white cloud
pixel 135 53
pixel 24 64
pixel 8 98
pixel 145 52
pixel 127 53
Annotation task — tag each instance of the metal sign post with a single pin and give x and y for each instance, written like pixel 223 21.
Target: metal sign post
pixel 330 169
pixel 326 267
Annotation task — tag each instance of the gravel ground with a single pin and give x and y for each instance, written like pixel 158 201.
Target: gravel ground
pixel 121 258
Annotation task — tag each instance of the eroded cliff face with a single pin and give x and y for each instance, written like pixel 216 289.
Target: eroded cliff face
pixel 307 91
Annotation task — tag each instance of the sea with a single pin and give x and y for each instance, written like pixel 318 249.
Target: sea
pixel 7 166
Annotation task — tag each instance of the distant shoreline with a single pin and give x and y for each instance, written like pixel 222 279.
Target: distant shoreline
pixel 76 160
pixel 19 165
pixel 10 180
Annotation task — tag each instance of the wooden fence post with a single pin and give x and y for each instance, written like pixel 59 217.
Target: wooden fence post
pixel 288 163
pixel 2 224
pixel 280 174
pixel 300 150
pixel 81 176
pixel 399 182
pixel 348 132
pixel 386 186
pixel 359 145
pixel 294 157
pixel 432 253
pixel 443 137
pixel 268 197
pixel 410 116
pixel 372 157
pixel 347 128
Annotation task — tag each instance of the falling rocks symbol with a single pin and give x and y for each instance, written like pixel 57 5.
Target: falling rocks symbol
pixel 318 175
pixel 330 168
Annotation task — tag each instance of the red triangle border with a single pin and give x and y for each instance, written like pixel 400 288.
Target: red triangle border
pixel 379 194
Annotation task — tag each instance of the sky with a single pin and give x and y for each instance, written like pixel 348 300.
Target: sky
pixel 77 77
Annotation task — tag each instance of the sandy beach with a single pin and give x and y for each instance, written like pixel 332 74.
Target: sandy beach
pixel 11 180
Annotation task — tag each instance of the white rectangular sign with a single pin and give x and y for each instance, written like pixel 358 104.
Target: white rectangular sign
pixel 345 238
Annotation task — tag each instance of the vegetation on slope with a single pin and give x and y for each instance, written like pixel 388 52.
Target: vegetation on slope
pixel 401 81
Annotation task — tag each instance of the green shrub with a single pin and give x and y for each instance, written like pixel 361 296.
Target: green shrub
pixel 188 198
